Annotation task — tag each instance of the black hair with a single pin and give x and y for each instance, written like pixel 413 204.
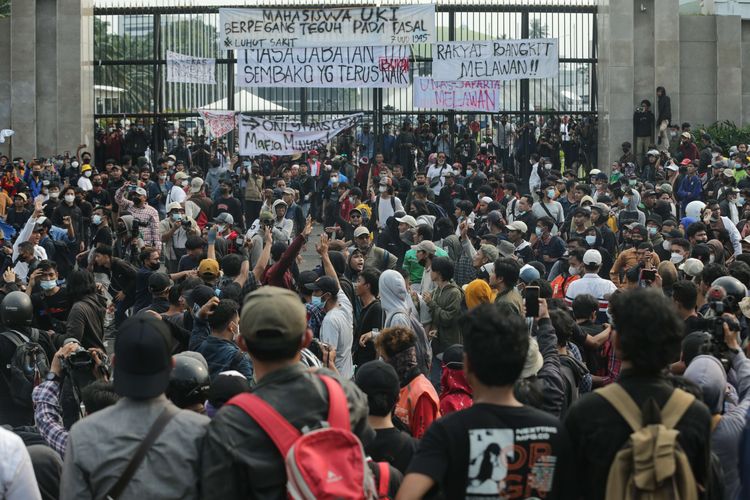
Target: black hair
pixel 563 324
pixel 648 328
pixel 444 267
pixel 546 222
pixel 420 208
pixel 741 271
pixel 103 250
pixel 682 243
pixel 98 395
pixel 193 242
pixel 465 206
pixel 80 283
pixel 584 189
pixel 576 252
pixel 633 275
pixel 443 228
pixel 584 306
pixel 694 229
pixel 425 231
pixel 507 269
pixel 225 310
pixel 46 265
pixel 495 344
pixel 685 293
pixel 231 264
pixel 371 276
pixel 711 272
pixel 277 249
pixel 146 253
pixel 545 289
pixel 380 403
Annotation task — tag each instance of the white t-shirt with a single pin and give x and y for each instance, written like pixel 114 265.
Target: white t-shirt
pixel 85 183
pixel 337 330
pixel 176 195
pixel 385 209
pixel 17 479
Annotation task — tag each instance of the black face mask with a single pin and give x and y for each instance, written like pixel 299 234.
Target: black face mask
pixel 154 266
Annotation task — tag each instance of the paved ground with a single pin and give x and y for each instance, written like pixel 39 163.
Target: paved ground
pixel 309 255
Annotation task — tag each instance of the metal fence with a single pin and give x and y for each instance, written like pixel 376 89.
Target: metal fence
pixel 130 44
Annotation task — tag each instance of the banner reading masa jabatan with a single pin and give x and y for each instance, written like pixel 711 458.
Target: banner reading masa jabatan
pixel 260 136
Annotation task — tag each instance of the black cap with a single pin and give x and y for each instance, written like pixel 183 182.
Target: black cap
pixel 453 357
pixel 200 295
pixel 159 282
pixel 654 218
pixel 143 358
pixel 378 377
pixel 307 277
pixel 224 387
pixel 325 284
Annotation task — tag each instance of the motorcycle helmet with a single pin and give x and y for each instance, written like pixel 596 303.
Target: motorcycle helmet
pixel 16 310
pixel 189 380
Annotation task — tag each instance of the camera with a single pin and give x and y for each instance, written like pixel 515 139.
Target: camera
pixel 136 228
pixel 318 348
pixel 715 327
pixel 185 223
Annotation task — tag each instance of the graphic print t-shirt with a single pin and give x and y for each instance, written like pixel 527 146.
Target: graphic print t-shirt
pixel 490 451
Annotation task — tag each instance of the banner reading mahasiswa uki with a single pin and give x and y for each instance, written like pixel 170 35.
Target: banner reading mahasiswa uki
pixel 189 69
pixel 218 123
pixel 271 137
pixel 353 67
pixel 482 95
pixel 326 27
pixel 495 60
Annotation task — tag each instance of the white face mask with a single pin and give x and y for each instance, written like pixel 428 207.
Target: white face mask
pixel 54 194
pixel 382 189
pixel 667 245
pixel 185 183
pixel 163 177
pixel 573 271
pixel 87 173
pixel 590 239
pixel 220 228
pixel 676 258
pixel 69 198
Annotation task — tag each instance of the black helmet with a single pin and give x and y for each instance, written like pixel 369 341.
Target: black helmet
pixel 16 310
pixel 189 381
pixel 733 288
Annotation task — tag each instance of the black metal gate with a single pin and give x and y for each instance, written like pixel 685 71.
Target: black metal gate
pixel 130 45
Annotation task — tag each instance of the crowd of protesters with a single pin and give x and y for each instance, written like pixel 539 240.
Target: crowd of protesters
pixel 483 317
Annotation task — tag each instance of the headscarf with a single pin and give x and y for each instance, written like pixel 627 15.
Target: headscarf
pixel 478 292
pixel 394 297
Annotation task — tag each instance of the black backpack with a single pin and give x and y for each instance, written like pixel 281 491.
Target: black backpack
pixel 28 366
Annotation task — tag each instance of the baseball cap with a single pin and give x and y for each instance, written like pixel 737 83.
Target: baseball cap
pixel 22 195
pixel 666 188
pixel 272 316
pixel 158 282
pixel 277 203
pixel 425 246
pixel 490 252
pixel 199 296
pixel 208 267
pixel 494 217
pixel 361 231
pixel 453 357
pixel 528 273
pixel 288 191
pixel 639 229
pixel 144 362
pixel 686 135
pixel 140 191
pixel 505 248
pixel 672 167
pixel 728 172
pixel 196 185
pixel 325 284
pixel 181 176
pixel 518 225
pixel 692 267
pixel 686 161
pixel 407 219
pixel 378 377
pixel 486 199
pixel 224 218
pixel 594 171
pixel 652 152
pixel 592 257
pixel 173 206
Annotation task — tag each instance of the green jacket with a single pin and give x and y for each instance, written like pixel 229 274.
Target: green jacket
pixel 445 308
pixel 414 268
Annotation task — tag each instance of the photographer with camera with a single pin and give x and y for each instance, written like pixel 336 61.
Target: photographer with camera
pixel 727 413
pixel 97 394
pixel 146 215
pixel 175 230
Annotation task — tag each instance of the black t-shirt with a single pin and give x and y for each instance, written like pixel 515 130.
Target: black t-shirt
pixel 471 453
pixel 102 235
pixel 188 262
pixel 51 309
pixel 392 446
pixel 370 317
pixel 100 199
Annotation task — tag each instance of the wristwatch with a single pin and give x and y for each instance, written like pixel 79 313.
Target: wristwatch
pixel 54 377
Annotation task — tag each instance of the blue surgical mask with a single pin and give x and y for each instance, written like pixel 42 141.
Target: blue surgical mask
pixel 625 200
pixel 590 239
pixel 538 231
pixel 550 193
pixel 740 200
pixel 652 231
pixel 96 219
pixel 48 284
pixel 177 217
pixel 318 301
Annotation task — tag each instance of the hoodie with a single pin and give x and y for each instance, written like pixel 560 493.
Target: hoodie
pixel 86 321
pixel 455 392
pixel 709 374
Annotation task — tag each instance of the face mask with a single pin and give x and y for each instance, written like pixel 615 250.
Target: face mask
pixel 590 239
pixel 54 194
pixel 382 189
pixel 176 217
pixel 334 180
pixel 96 219
pixel 547 166
pixel 469 173
pixel 711 259
pixel 675 258
pixel 154 266
pixel 163 177
pixel 667 245
pixel 539 232
pixel 69 198
pixel 652 231
pixel 632 182
pixel 739 201
pixel 625 200
pixel 48 285
pixel 351 199
pixel 36 173
pixel 573 270
pixel 74 164
pixel 87 173
pixel 318 301
pixel 185 182
pixel 551 193
pixel 220 228
pixel 170 163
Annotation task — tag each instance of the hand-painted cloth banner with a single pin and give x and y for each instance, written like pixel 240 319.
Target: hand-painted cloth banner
pixel 326 27
pixel 218 123
pixel 189 69
pixel 347 67
pixel 460 96
pixel 260 136
pixel 495 60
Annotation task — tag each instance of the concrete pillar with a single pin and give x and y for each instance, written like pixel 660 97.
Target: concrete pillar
pixel 49 87
pixel 729 68
pixel 667 53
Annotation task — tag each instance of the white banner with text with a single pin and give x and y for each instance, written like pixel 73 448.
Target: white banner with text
pixel 482 95
pixel 189 69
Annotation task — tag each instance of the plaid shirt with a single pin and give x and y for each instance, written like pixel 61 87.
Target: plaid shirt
pixel 146 215
pixel 315 317
pixel 48 415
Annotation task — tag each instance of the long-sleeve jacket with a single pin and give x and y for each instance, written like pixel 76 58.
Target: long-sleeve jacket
pixel 221 354
pixel 550 374
pixel 690 190
pixel 86 321
pixel 445 309
pixel 276 275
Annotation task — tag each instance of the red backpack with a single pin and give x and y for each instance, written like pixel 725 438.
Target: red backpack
pixel 326 463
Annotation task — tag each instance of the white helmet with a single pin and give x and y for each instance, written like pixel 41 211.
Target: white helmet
pixel 694 209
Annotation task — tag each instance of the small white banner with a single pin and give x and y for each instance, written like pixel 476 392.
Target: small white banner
pixel 259 136
pixel 461 96
pixel 189 69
